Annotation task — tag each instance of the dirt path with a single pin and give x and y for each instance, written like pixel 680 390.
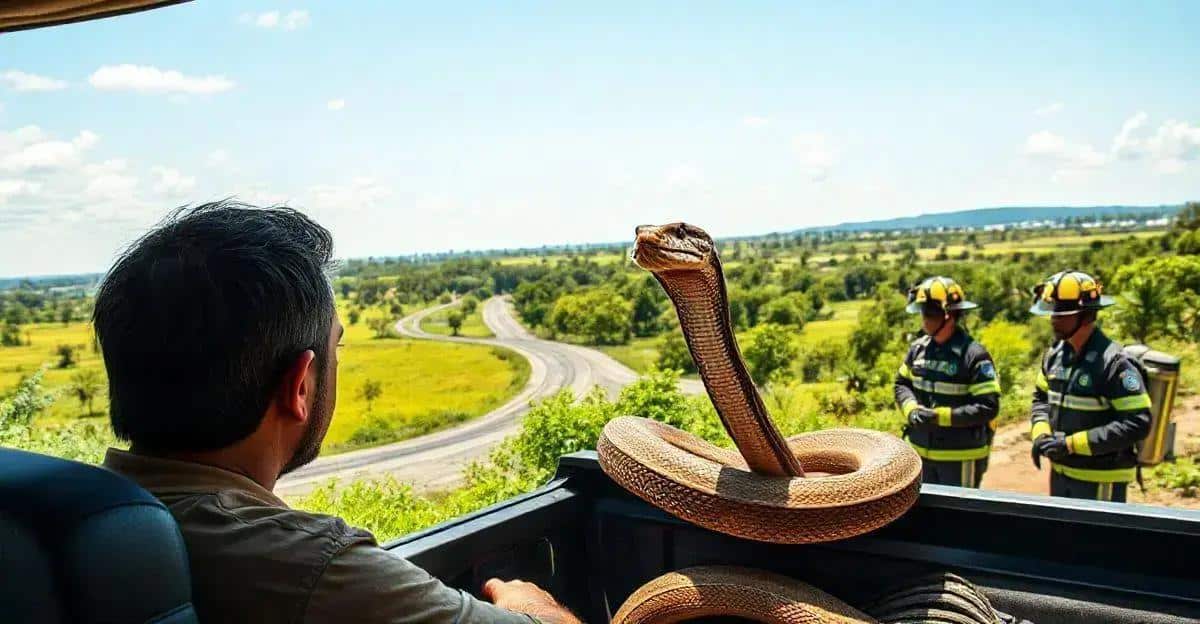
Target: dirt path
pixel 1010 468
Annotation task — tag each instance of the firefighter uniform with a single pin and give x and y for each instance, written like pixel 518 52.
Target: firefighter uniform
pixel 957 380
pixel 1096 399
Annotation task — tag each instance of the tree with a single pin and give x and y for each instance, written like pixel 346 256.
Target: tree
pixel 600 315
pixel 371 390
pixel 769 353
pixel 10 335
pixel 66 314
pixel 382 326
pixel 455 320
pixel 673 354
pixel 353 315
pixel 85 385
pixel 469 304
pixel 646 310
pixel 66 355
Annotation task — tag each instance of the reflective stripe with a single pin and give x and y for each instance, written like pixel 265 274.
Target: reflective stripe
pixel 990 386
pixel 952 454
pixel 943 414
pixel 908 407
pixel 940 387
pixel 1041 382
pixel 1137 401
pixel 1104 491
pixel 1040 428
pixel 1078 443
pixel 1114 475
pixel 1081 403
pixel 904 371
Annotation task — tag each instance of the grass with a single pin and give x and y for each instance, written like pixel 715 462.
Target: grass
pixel 472 326
pixel 18 362
pixel 426 386
pixel 640 354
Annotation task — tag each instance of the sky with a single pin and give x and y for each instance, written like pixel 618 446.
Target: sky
pixel 425 127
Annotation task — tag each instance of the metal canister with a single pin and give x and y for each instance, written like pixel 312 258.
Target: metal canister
pixel 1163 372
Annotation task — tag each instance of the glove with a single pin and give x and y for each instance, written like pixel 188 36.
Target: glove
pixel 1053 446
pixel 922 417
pixel 1034 454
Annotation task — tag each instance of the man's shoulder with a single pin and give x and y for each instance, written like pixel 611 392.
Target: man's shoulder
pixel 233 512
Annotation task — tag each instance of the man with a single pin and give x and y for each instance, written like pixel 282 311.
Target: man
pixel 220 336
pixel 947 388
pixel 1090 405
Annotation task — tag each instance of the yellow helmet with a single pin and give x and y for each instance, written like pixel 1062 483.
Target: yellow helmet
pixel 943 292
pixel 1068 292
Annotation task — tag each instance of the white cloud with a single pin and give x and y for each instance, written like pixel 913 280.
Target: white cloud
pixel 1049 109
pixel 217 157
pixel 1124 145
pixel 816 155
pixel 296 19
pixel 147 79
pixel 172 183
pixel 1169 148
pixel 109 180
pixel 752 121
pixel 270 20
pixel 361 192
pixel 336 105
pixel 27 149
pixel 21 81
pixel 683 176
pixel 1046 144
pixel 17 188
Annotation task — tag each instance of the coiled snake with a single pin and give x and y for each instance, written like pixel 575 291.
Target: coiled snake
pixel 813 487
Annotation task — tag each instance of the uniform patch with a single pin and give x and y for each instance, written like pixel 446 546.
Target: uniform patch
pixel 1085 380
pixel 987 370
pixel 1131 381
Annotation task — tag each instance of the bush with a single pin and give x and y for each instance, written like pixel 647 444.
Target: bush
pixel 673 354
pixel 601 316
pixel 769 353
pixel 78 441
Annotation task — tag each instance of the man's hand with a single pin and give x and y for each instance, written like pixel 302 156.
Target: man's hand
pixel 922 417
pixel 522 597
pixel 1053 446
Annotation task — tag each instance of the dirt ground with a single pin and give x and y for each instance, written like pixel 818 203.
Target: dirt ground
pixel 1010 468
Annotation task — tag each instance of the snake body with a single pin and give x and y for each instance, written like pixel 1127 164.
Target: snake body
pixel 813 487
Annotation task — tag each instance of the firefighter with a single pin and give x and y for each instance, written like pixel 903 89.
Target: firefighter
pixel 1090 405
pixel 947 388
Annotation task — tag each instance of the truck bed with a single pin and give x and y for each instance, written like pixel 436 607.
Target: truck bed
pixel 1047 560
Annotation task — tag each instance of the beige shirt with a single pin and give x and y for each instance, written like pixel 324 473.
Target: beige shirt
pixel 254 559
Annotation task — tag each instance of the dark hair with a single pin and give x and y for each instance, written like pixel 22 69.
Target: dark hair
pixel 199 319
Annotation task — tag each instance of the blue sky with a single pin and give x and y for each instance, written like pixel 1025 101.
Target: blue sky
pixel 461 126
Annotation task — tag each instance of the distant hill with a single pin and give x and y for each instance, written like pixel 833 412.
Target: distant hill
pixel 980 217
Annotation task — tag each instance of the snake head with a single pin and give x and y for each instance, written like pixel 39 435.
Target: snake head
pixel 674 246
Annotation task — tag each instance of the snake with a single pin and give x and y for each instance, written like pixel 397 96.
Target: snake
pixel 812 487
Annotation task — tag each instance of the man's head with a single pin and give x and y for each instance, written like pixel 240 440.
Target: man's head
pixel 217 324
pixel 1071 300
pixel 940 301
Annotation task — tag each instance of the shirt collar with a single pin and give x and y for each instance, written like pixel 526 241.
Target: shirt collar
pixel 163 477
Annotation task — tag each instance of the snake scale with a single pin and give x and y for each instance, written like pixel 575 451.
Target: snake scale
pixel 813 487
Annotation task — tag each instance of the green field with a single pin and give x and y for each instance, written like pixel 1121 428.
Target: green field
pixel 426 386
pixel 18 362
pixel 472 326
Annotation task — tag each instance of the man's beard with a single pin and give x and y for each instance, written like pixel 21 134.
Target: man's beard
pixel 318 424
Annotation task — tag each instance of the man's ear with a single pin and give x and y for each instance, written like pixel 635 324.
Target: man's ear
pixel 296 386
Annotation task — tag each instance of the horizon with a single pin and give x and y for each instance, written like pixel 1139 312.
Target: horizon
pixel 605 244
pixel 418 130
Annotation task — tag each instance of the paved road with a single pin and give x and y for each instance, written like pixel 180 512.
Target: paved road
pixel 435 461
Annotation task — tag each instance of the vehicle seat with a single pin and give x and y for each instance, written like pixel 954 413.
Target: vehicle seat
pixel 82 544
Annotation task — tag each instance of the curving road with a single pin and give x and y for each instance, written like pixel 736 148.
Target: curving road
pixel 435 461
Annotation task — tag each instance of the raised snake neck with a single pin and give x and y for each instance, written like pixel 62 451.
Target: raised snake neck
pixel 702 304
